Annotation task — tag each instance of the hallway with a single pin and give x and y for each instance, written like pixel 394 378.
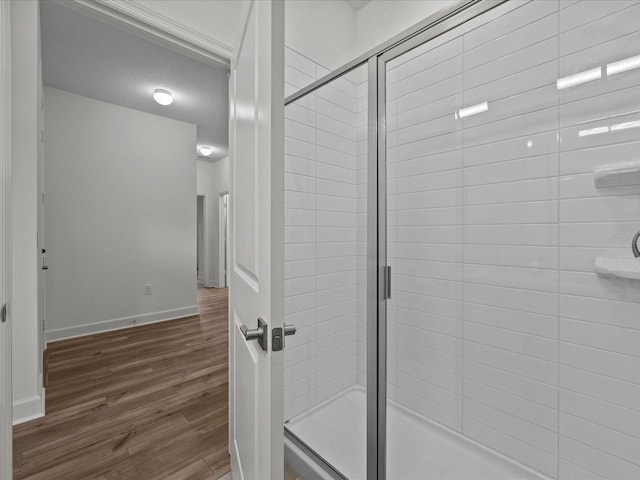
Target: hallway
pixel 149 402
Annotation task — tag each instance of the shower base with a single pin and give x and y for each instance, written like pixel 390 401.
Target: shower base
pixel 416 447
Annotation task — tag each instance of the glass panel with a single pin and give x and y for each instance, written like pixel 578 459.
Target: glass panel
pixel 325 266
pixel 424 250
pixel 473 242
pixel 513 332
pixel 598 217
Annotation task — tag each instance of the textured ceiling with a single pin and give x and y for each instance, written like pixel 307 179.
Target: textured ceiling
pixel 85 56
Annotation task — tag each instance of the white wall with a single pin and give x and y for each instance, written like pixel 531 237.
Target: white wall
pixel 324 32
pixel 331 33
pixel 120 213
pixel 28 396
pixel 212 180
pixel 381 20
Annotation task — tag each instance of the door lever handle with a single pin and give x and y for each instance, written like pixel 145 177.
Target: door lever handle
pixel 261 333
pixel 290 330
pixel 251 334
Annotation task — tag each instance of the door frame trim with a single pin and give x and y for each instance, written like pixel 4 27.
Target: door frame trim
pixel 142 21
pixel 6 456
pixel 376 258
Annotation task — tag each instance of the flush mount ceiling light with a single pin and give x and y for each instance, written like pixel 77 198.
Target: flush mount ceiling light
pixel 205 150
pixel 163 97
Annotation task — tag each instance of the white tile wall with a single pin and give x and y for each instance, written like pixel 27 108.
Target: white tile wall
pixel 325 236
pixel 598 328
pixel 498 326
pixel 361 232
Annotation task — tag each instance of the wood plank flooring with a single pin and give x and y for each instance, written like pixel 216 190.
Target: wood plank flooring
pixel 148 402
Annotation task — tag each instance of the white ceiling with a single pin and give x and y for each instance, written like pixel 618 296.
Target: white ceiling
pixel 85 56
pixel 357 4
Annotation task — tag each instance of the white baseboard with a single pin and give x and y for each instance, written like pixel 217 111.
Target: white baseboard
pixel 211 284
pixel 28 409
pixel 119 323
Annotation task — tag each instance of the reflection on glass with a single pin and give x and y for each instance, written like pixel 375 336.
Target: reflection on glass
pixel 579 78
pixel 325 268
pixel 593 131
pixel 613 128
pixel 623 65
pixel 625 125
pixel 473 110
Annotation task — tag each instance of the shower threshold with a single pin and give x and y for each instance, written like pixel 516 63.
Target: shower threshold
pixel 416 447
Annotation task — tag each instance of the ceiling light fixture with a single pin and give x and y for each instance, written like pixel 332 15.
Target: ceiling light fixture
pixel 205 150
pixel 473 110
pixel 163 97
pixel 579 78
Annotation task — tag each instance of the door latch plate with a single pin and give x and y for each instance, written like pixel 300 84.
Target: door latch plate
pixel 277 340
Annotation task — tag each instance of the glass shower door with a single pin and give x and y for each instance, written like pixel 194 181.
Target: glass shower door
pixel 508 200
pixel 424 250
pixel 472 211
pixel 325 267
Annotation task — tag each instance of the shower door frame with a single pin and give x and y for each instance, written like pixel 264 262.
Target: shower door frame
pixel 378 275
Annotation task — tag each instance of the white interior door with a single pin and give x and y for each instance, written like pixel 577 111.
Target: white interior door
pixel 5 235
pixel 256 416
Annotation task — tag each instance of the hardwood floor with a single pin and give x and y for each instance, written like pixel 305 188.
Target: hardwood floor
pixel 147 402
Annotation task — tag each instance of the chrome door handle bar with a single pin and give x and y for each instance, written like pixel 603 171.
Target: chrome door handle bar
pixel 261 333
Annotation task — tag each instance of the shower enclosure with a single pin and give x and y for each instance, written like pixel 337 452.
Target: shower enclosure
pixel 461 205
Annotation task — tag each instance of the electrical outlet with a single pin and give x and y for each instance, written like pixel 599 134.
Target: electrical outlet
pixel 147 289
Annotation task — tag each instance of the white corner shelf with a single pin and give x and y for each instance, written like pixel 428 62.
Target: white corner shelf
pixel 619 175
pixel 628 268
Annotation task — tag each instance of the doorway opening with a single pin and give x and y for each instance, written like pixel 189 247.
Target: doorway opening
pixel 224 232
pixel 200 240
pixel 134 164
